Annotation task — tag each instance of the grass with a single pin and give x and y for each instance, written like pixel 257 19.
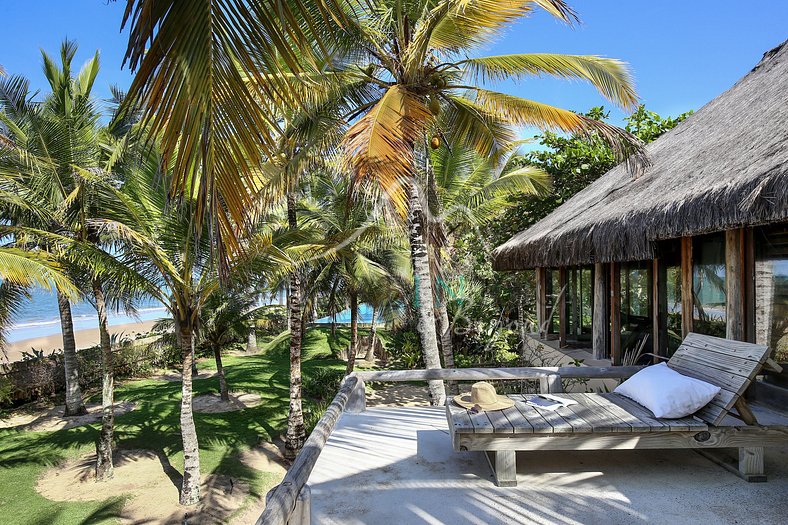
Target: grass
pixel 154 425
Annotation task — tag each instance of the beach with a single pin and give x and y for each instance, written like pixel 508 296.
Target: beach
pixel 84 338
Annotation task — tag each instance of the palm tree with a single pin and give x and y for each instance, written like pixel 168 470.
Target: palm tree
pixel 429 91
pixel 225 318
pixel 54 141
pixel 355 241
pixel 467 191
pixel 179 272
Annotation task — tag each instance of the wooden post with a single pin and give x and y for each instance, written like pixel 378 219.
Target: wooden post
pixel 734 284
pixel 687 304
pixel 576 302
pixel 659 307
pixel 541 302
pixel 562 312
pixel 550 384
pixel 357 402
pixel 615 313
pixel 749 285
pixel 600 325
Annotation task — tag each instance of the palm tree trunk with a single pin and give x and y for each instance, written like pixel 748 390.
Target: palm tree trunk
pixel 296 432
pixel 333 326
pixel 372 335
pixel 190 488
pixel 251 340
pixel 223 391
pixel 104 466
pixel 351 355
pixel 444 329
pixel 423 285
pixel 74 404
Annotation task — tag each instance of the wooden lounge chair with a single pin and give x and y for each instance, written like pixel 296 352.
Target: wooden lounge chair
pixel 612 421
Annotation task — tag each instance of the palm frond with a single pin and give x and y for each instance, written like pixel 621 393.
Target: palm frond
pixel 523 112
pixel 610 76
pixel 380 145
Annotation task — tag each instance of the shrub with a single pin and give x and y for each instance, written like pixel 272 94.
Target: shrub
pixel 322 383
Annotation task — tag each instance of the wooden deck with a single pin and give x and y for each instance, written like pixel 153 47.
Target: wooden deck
pixel 396 466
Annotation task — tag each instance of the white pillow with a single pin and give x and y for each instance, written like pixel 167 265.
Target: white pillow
pixel 667 393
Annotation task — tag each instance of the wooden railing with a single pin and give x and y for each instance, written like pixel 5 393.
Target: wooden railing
pixel 288 503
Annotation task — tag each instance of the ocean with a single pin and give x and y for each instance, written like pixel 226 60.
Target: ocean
pixel 40 317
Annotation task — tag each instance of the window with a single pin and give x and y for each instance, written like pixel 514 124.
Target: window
pixel 771 289
pixel 579 302
pixel 708 284
pixel 636 313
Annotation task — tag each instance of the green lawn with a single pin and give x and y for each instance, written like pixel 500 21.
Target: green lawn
pixel 154 426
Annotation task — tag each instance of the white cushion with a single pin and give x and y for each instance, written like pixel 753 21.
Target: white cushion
pixel 667 393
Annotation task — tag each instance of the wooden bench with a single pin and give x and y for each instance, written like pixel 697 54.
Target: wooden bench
pixel 612 421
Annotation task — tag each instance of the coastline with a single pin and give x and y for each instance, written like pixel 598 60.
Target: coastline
pixel 84 338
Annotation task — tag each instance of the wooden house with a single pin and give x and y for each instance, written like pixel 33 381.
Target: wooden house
pixel 698 242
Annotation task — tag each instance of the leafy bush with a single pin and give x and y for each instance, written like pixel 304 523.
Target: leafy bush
pixel 272 320
pixel 322 383
pixel 405 348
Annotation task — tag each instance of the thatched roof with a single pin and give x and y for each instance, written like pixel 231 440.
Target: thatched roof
pixel 726 166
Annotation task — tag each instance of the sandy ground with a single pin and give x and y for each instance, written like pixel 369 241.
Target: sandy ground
pixel 84 339
pixel 212 403
pixel 37 418
pixel 151 485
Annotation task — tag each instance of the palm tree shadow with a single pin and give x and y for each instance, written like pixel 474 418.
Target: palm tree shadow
pixel 175 477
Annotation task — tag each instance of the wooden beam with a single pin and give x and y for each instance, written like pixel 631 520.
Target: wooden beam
pixel 659 309
pixel 734 284
pixel 600 327
pixel 687 304
pixel 749 285
pixel 576 295
pixel 563 318
pixel 615 313
pixel 541 302
pixel 488 374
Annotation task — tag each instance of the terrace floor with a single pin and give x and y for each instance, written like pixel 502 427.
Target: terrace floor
pixel 395 465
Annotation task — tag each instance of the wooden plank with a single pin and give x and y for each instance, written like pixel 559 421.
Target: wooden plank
pixel 727 363
pixel 550 384
pixel 486 374
pixel 556 422
pixel 358 399
pixel 458 417
pixel 600 420
pixel 726 380
pixel 714 437
pixel 734 284
pixel 642 413
pixel 534 418
pixel 687 294
pixel 615 313
pixel 599 322
pixel 500 423
pixel 481 423
pixel 625 417
pixel 727 346
pixel 744 411
pixel 520 425
pixel 563 419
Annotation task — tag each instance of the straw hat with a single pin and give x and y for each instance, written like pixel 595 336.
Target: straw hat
pixel 484 397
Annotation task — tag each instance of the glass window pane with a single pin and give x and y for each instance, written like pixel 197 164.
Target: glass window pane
pixel 708 283
pixel 771 290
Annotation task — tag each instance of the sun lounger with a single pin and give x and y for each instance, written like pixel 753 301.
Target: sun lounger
pixel 612 421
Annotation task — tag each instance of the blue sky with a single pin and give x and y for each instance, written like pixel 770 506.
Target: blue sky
pixel 682 53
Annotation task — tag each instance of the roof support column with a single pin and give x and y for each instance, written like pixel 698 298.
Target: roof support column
pixel 541 302
pixel 687 304
pixel 734 284
pixel 615 313
pixel 659 308
pixel 600 323
pixel 563 318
